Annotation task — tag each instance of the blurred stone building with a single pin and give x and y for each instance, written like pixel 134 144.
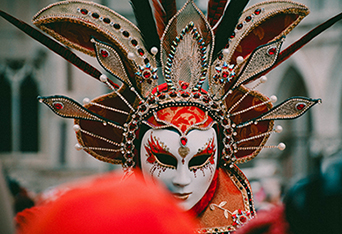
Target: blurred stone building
pixel 37 147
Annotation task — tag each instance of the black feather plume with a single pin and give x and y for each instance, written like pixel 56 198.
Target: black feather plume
pixel 146 24
pixel 228 23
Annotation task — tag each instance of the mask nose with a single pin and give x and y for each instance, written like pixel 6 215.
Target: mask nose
pixel 183 177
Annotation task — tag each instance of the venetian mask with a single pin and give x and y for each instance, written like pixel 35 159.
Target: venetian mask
pixel 185 164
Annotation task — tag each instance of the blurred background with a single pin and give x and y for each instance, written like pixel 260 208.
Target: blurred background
pixel 37 147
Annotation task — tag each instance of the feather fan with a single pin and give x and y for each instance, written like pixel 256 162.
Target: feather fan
pixel 227 25
pixel 215 11
pixel 145 22
pixel 164 10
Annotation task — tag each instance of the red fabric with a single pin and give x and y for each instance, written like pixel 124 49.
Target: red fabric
pixel 182 117
pixel 109 205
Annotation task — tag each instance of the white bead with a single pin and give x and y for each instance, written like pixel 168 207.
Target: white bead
pixel 78 147
pixel 239 59
pixel 154 50
pixel 278 129
pixel 263 79
pixel 225 51
pixel 130 55
pixel 273 98
pixel 103 78
pixel 281 146
pixel 76 127
pixel 86 101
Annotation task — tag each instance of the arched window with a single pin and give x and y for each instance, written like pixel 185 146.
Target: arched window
pixel 5 114
pixel 29 132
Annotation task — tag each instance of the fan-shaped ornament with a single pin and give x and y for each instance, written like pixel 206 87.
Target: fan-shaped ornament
pixel 177 129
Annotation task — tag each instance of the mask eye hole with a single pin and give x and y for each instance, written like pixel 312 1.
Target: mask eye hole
pixel 199 161
pixel 166 160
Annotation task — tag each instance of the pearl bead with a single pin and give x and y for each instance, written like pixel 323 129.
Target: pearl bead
pixel 78 147
pixel 154 50
pixel 103 78
pixel 281 146
pixel 278 129
pixel 76 127
pixel 239 59
pixel 225 51
pixel 86 101
pixel 273 98
pixel 263 79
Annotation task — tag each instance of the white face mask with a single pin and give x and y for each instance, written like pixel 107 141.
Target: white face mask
pixel 186 170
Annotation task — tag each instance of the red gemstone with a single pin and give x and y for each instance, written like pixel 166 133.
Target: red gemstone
pixel 141 52
pixel 173 94
pixel 225 74
pixel 248 18
pixel 84 11
pixel 300 106
pixel 146 74
pixel 106 20
pixel 129 146
pixel 257 11
pixel 58 105
pixel 184 85
pixel 239 26
pixel 125 34
pixel 243 219
pixel 272 50
pixel 185 95
pixel 183 141
pixel 134 42
pixel 104 53
pixel 95 15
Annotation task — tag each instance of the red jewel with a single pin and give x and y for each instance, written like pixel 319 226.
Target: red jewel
pixel 95 15
pixel 248 18
pixel 173 94
pixel 272 50
pixel 129 147
pixel 257 11
pixel 184 85
pixel 141 52
pixel 225 74
pixel 185 95
pixel 106 20
pixel 239 26
pixel 134 42
pixel 58 105
pixel 104 53
pixel 243 219
pixel 183 141
pixel 146 74
pixel 84 11
pixel 300 106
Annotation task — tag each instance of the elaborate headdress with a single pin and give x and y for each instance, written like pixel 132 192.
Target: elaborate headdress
pixel 228 49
